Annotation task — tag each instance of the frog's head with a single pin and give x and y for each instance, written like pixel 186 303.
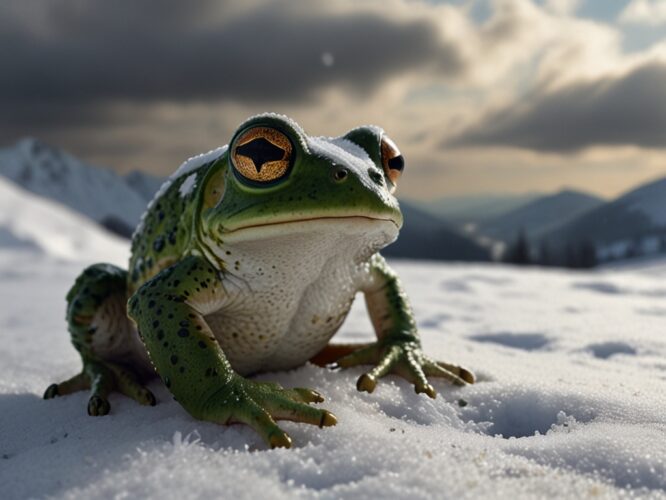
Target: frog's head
pixel 274 181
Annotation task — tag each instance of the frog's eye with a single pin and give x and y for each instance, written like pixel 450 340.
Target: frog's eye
pixel 392 161
pixel 262 155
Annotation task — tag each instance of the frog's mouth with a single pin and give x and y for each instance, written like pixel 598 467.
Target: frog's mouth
pixel 306 220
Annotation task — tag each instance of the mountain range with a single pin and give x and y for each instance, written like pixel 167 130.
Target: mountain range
pixel 117 202
pixel 474 209
pixel 108 198
pixel 632 224
pixel 540 216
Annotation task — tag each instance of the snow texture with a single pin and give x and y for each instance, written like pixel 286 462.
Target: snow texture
pixel 570 402
pixel 48 228
pixel 340 150
pixel 187 186
pixel 98 193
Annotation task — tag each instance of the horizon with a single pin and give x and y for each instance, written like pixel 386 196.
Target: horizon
pixel 482 96
pixel 455 197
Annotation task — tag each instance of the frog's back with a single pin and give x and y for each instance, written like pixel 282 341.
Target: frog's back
pixel 165 230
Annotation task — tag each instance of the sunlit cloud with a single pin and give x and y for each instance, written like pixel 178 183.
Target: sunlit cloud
pixel 649 12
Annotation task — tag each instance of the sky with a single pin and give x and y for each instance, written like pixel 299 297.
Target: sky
pixel 481 96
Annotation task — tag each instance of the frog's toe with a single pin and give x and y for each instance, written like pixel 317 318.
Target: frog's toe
pixel 279 439
pixel 293 404
pixel 366 383
pixel 261 421
pixel 388 362
pixel 461 372
pixel 412 371
pixel 98 406
pixel 303 395
pixel 367 355
pixel 77 383
pixel 127 383
pixel 286 409
pixel 51 391
pixel 454 374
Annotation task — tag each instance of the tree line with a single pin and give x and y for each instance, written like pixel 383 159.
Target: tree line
pixel 579 255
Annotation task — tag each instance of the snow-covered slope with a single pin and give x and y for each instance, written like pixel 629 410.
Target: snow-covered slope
pixel 44 228
pixel 98 193
pixel 635 218
pixel 540 215
pixel 570 402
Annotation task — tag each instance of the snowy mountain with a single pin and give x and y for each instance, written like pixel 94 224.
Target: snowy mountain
pixel 40 227
pixel 98 193
pixel 474 209
pixel 540 215
pixel 634 222
pixel 424 236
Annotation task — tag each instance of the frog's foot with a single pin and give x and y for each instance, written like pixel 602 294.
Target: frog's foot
pixel 405 359
pixel 103 378
pixel 260 404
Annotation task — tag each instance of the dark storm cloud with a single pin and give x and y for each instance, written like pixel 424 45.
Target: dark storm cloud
pixel 147 51
pixel 629 110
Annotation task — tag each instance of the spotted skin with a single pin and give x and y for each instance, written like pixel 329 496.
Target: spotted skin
pixel 236 270
pixel 95 291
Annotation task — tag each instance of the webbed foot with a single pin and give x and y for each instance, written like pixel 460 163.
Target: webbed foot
pixel 405 359
pixel 102 378
pixel 260 404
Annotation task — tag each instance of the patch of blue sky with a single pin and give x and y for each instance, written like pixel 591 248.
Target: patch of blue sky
pixel 480 10
pixel 601 10
pixel 638 38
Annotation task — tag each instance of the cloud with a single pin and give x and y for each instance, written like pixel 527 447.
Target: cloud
pixel 625 110
pixel 649 12
pixel 563 7
pixel 128 50
pixel 142 83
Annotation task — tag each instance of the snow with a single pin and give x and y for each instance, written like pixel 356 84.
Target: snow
pixel 187 186
pixel 193 163
pixel 98 193
pixel 45 227
pixel 570 402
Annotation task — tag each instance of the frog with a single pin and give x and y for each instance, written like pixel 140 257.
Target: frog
pixel 248 260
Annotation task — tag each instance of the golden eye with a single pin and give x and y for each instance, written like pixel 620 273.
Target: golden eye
pixel 392 161
pixel 262 154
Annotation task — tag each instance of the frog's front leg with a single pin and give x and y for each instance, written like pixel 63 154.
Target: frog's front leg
pixel 398 347
pixel 169 311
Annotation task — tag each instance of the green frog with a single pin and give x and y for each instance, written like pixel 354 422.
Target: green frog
pixel 248 260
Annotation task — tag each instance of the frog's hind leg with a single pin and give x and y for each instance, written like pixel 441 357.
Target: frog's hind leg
pixel 110 350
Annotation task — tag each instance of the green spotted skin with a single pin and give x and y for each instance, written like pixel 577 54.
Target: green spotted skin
pixel 165 232
pixel 92 288
pixel 248 260
pixel 182 346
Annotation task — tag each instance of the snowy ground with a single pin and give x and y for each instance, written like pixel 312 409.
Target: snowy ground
pixel 571 399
